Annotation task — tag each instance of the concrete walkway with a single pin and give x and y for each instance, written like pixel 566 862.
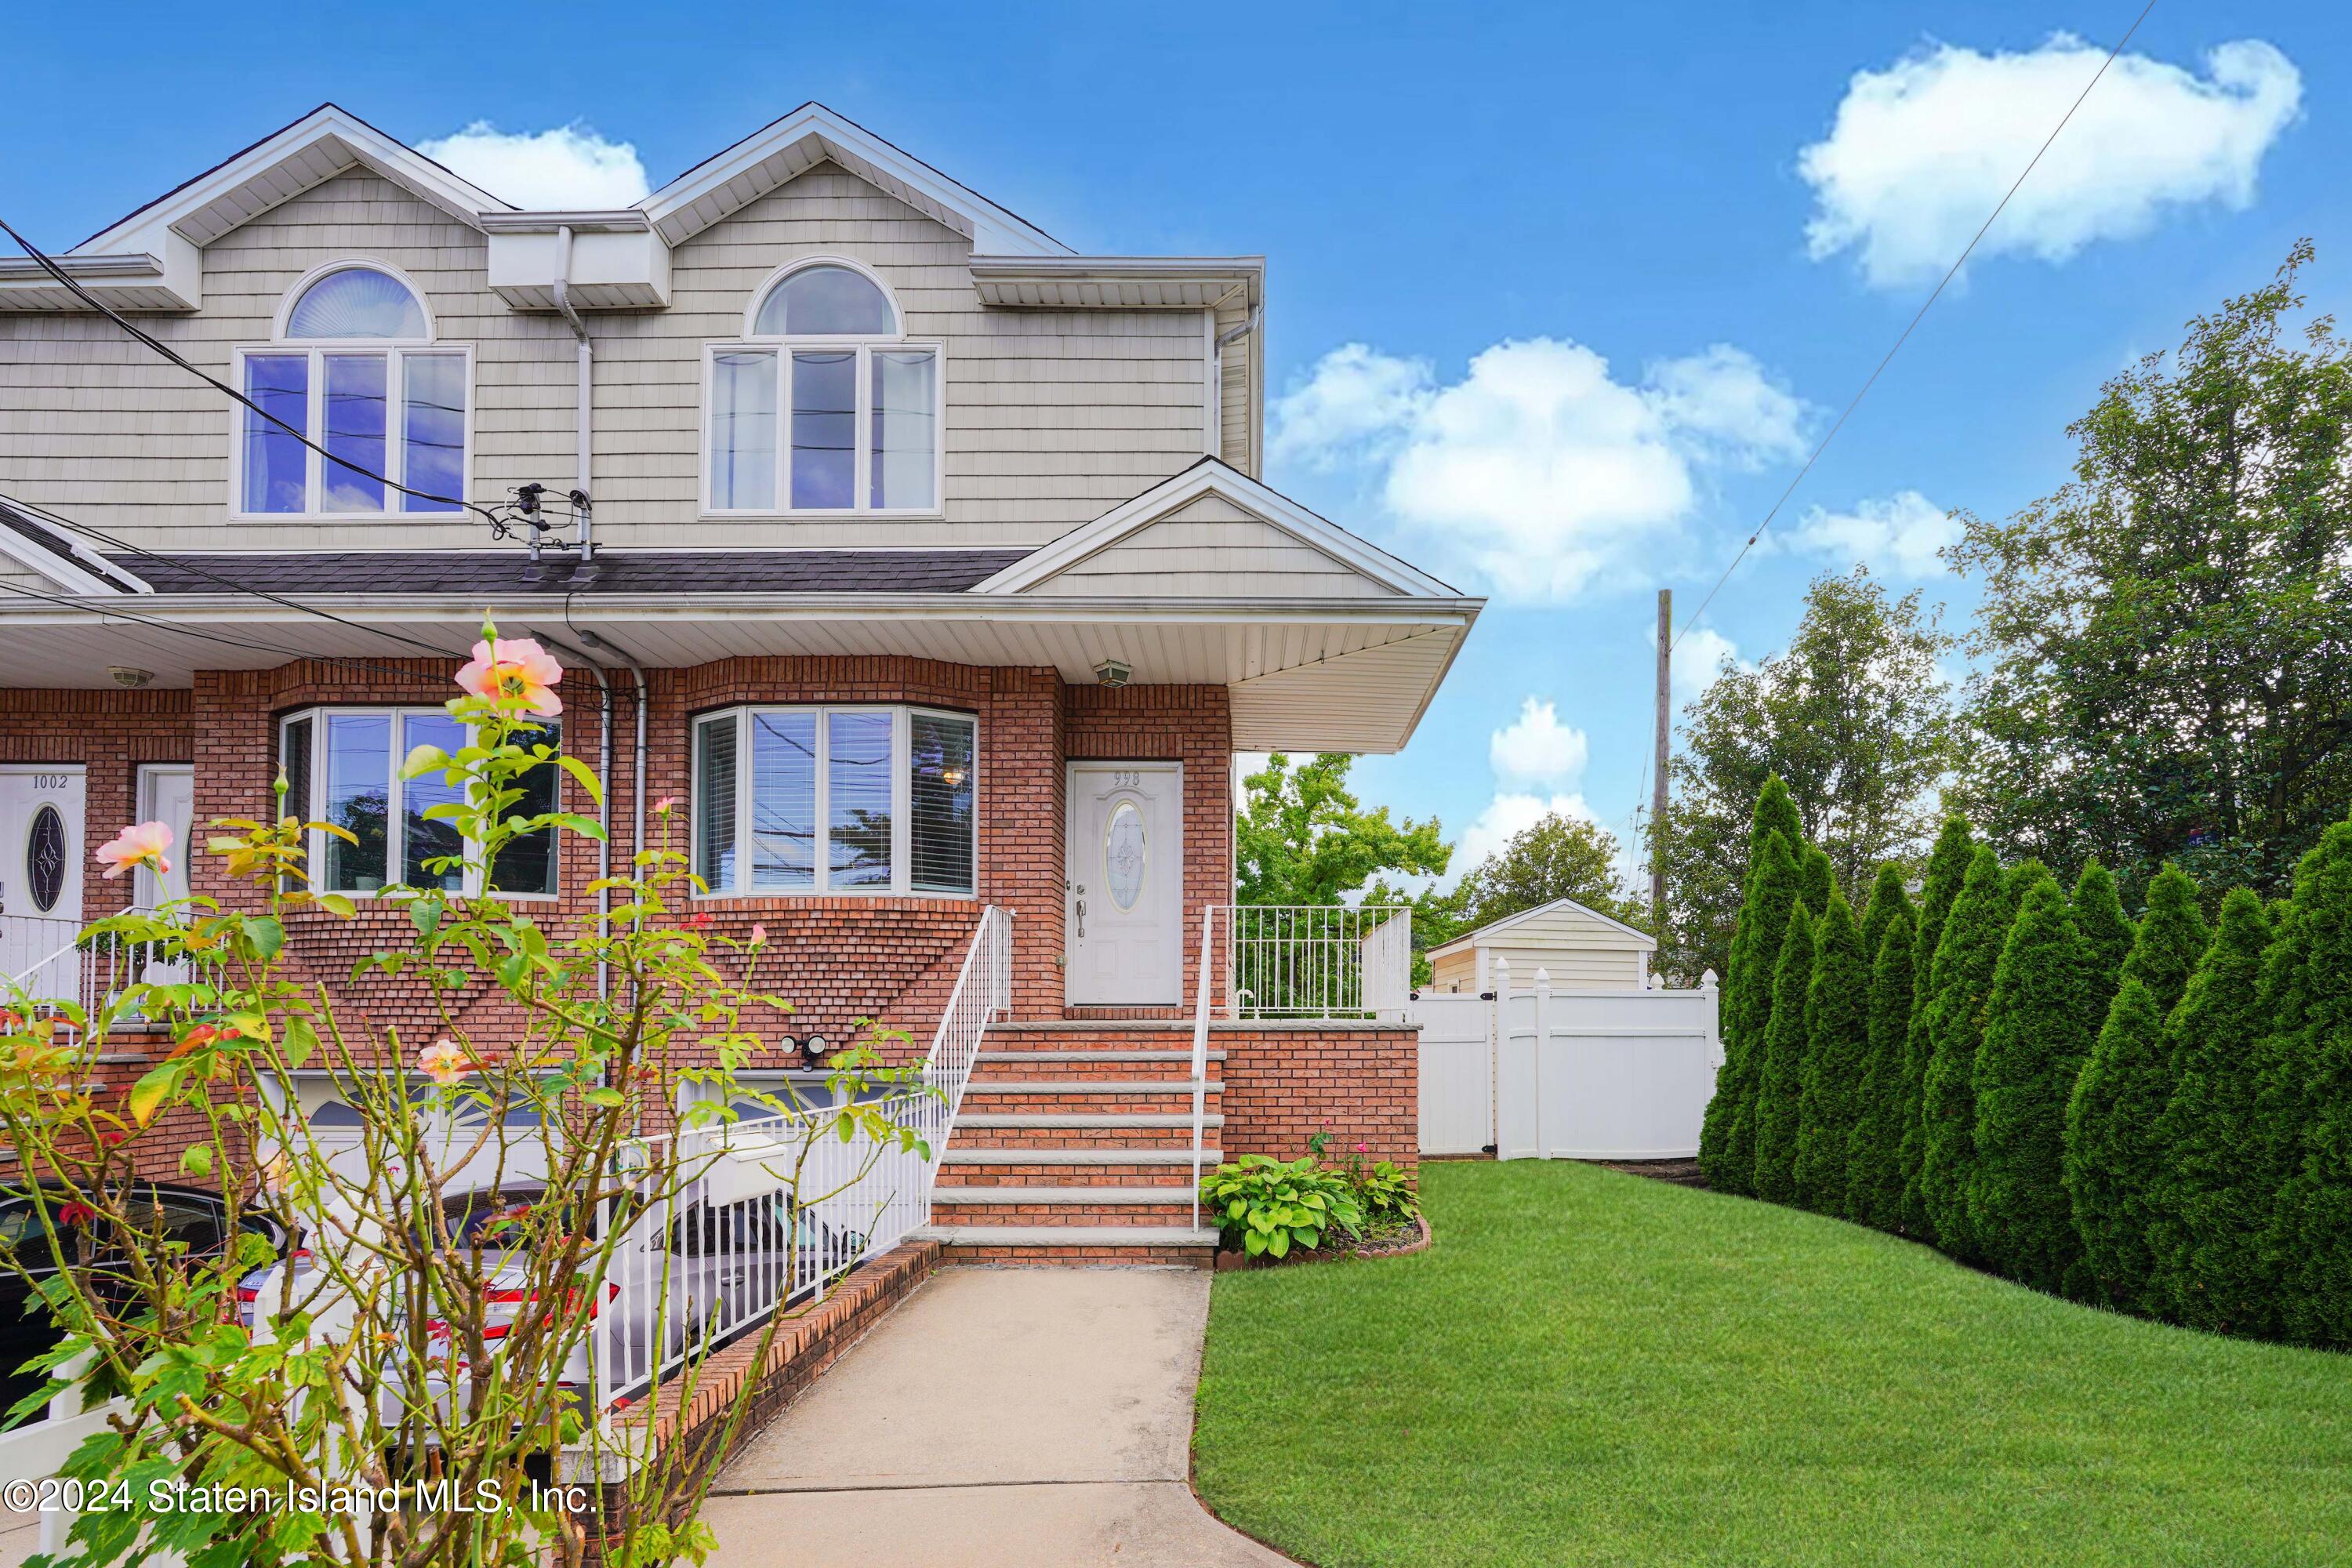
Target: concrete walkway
pixel 1036 1418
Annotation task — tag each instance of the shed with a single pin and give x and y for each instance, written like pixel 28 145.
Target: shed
pixel 1581 949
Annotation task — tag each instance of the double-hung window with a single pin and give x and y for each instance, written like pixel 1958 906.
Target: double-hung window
pixel 355 368
pixel 835 800
pixel 825 406
pixel 342 766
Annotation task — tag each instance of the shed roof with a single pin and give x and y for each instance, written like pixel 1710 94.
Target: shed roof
pixel 1472 938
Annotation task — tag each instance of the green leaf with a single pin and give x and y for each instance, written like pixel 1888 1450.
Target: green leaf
pixel 267 934
pixel 148 1094
pixel 196 1162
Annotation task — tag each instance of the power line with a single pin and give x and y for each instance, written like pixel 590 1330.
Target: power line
pixel 1937 294
pixel 500 526
pixel 222 638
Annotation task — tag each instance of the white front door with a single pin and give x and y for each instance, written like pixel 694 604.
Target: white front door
pixel 40 875
pixel 1125 919
pixel 167 793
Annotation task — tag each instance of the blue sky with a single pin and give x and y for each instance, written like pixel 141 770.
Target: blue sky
pixel 1601 295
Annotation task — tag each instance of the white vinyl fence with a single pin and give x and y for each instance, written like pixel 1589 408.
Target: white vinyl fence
pixel 1534 1073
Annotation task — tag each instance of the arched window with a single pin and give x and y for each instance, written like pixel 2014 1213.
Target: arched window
pixel 825 406
pixel 354 366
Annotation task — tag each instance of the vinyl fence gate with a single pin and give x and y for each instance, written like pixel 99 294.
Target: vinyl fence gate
pixel 1528 1072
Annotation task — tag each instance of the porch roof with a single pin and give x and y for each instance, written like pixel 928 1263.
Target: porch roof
pixel 504 571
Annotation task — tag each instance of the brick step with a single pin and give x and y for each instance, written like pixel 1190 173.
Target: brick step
pixel 1080 1206
pixel 1091 1168
pixel 1062 1130
pixel 1155 1066
pixel 1073 1246
pixel 1109 1095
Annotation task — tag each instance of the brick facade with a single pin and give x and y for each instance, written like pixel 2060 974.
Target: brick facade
pixel 1286 1082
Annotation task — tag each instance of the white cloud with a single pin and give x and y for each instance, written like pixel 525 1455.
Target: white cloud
pixel 1920 152
pixel 568 167
pixel 1697 659
pixel 1537 747
pixel 1897 536
pixel 1538 471
pixel 1508 814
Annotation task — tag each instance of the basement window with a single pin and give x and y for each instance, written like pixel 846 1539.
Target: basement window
pixel 342 766
pixel 836 800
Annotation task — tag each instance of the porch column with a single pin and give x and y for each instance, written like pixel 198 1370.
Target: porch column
pixel 1022 839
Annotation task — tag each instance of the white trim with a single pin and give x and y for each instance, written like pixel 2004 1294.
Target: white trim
pixel 397 353
pixel 1072 772
pixel 733 179
pixel 85 573
pixel 1212 411
pixel 1212 476
pixel 902 820
pixel 752 332
pixel 303 285
pixel 1508 922
pixel 861 457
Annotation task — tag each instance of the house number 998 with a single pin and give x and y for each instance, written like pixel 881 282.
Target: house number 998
pixel 1126 780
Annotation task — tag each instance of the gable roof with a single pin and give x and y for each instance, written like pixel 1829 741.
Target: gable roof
pixel 812 135
pixel 1213 475
pixel 324 144
pixel 33 542
pixel 1471 938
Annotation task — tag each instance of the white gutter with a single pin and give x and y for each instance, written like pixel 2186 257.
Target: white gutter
pixel 587 355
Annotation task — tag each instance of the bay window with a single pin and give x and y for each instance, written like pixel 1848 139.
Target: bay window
pixel 355 368
pixel 342 766
pixel 836 800
pixel 823 406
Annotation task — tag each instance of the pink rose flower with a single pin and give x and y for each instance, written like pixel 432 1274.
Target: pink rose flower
pixel 445 1061
pixel 515 666
pixel 141 844
pixel 759 934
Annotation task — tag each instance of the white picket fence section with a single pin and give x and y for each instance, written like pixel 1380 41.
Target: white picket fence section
pixel 1539 1073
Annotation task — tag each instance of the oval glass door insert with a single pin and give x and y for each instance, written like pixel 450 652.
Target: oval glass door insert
pixel 45 858
pixel 1127 854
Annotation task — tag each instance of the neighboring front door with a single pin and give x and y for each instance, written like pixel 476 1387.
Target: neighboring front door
pixel 1125 906
pixel 40 875
pixel 167 793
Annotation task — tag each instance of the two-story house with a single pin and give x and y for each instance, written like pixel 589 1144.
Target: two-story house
pixel 928 563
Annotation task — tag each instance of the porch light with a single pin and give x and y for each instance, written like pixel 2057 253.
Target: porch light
pixel 1111 672
pixel 125 675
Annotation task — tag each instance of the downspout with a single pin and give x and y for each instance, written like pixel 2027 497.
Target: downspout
pixel 604 796
pixel 587 356
pixel 637 790
pixel 1232 334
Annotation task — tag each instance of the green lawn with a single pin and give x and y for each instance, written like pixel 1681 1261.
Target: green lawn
pixel 1593 1368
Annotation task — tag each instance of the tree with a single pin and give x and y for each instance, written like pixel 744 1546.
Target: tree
pixel 2216 1174
pixel 1816 879
pixel 1780 1077
pixel 1887 898
pixel 2111 1147
pixel 1557 857
pixel 2316 1201
pixel 2037 1032
pixel 1947 868
pixel 1837 1049
pixel 1853 716
pixel 2162 641
pixel 1302 837
pixel 1966 959
pixel 2106 935
pixel 1727 1134
pixel 1873 1153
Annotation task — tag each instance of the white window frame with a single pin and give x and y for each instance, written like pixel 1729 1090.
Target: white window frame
pixel 902 821
pixel 395 851
pixel 865 345
pixel 397 353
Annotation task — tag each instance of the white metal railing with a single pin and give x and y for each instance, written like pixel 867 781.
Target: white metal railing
pixel 45 961
pixel 756 1212
pixel 1200 1050
pixel 1317 960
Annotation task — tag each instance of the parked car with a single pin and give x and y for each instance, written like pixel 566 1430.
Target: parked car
pixel 189 1217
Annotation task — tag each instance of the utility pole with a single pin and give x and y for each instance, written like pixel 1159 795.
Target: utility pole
pixel 1658 767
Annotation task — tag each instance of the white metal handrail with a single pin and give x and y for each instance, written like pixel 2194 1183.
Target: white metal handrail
pixel 1317 960
pixel 1200 1050
pixel 39 953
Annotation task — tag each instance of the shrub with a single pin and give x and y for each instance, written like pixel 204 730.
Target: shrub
pixel 1384 1192
pixel 1947 868
pixel 1816 877
pixel 2218 1167
pixel 1727 1136
pixel 1873 1153
pixel 2314 1212
pixel 1265 1206
pixel 1837 1032
pixel 1887 899
pixel 2105 933
pixel 1965 960
pixel 1780 1077
pixel 2037 1032
pixel 2111 1151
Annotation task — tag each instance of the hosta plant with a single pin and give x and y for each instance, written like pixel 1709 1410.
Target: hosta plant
pixel 1266 1206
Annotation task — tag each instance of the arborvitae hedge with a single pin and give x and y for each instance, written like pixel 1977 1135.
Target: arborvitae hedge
pixel 2317 1198
pixel 1837 1027
pixel 2106 936
pixel 2216 1174
pixel 1887 897
pixel 1727 1138
pixel 2037 1032
pixel 1780 1078
pixel 2109 1136
pixel 2111 1151
pixel 1873 1153
pixel 1965 960
pixel 1947 867
pixel 1815 877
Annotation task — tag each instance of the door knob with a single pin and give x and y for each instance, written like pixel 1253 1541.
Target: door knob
pixel 1082 917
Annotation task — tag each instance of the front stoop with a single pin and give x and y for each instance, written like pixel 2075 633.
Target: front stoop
pixel 1073 1145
